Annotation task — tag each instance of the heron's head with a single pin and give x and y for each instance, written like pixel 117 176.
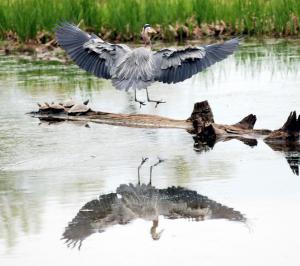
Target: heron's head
pixel 148 29
pixel 146 32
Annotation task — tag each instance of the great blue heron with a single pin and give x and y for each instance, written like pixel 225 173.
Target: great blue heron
pixel 138 68
pixel 143 201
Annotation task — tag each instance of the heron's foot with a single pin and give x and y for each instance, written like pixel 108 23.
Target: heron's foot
pixel 160 160
pixel 144 159
pixel 156 102
pixel 140 102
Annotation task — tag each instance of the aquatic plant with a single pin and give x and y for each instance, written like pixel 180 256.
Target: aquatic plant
pixel 174 19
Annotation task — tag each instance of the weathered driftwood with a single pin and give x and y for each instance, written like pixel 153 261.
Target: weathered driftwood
pixel 201 123
pixel 128 120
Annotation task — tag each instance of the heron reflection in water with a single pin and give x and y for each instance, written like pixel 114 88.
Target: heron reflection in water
pixel 143 201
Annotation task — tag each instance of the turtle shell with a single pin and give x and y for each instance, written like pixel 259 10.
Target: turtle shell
pixel 57 107
pixel 79 109
pixel 68 103
pixel 43 107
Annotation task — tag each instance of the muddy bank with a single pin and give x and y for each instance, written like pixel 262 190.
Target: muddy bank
pixel 50 51
pixel 33 50
pixel 44 46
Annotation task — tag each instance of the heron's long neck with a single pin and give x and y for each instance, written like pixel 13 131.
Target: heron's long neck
pixel 146 39
pixel 153 229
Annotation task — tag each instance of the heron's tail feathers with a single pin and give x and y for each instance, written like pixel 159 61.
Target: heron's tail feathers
pixel 126 84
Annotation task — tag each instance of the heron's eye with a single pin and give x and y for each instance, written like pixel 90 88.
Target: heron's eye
pixel 146 26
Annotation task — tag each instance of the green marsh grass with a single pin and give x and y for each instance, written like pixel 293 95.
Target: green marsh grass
pixel 125 17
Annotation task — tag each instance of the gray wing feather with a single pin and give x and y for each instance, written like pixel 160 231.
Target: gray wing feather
pixel 89 51
pixel 173 65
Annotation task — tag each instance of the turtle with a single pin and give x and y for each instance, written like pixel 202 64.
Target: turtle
pixel 68 103
pixel 56 108
pixel 44 107
pixel 79 109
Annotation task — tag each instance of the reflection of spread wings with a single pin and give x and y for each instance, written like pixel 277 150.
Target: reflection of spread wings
pixel 94 216
pixel 145 202
pixel 178 202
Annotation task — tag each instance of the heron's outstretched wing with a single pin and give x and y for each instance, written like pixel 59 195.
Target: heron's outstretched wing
pixel 175 65
pixel 89 51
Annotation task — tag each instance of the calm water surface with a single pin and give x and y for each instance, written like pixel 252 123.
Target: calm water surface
pixel 48 172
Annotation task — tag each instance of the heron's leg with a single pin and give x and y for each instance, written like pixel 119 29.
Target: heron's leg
pixel 153 165
pixel 138 101
pixel 142 162
pixel 154 101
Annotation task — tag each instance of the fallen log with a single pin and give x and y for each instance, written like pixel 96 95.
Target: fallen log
pixel 201 123
pixel 127 120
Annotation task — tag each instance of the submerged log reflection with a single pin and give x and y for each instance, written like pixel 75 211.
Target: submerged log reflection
pixel 291 153
pixel 290 150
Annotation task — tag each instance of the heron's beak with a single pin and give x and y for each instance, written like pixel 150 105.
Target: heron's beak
pixel 151 30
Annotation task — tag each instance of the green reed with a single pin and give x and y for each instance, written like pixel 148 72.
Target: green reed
pixel 125 17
